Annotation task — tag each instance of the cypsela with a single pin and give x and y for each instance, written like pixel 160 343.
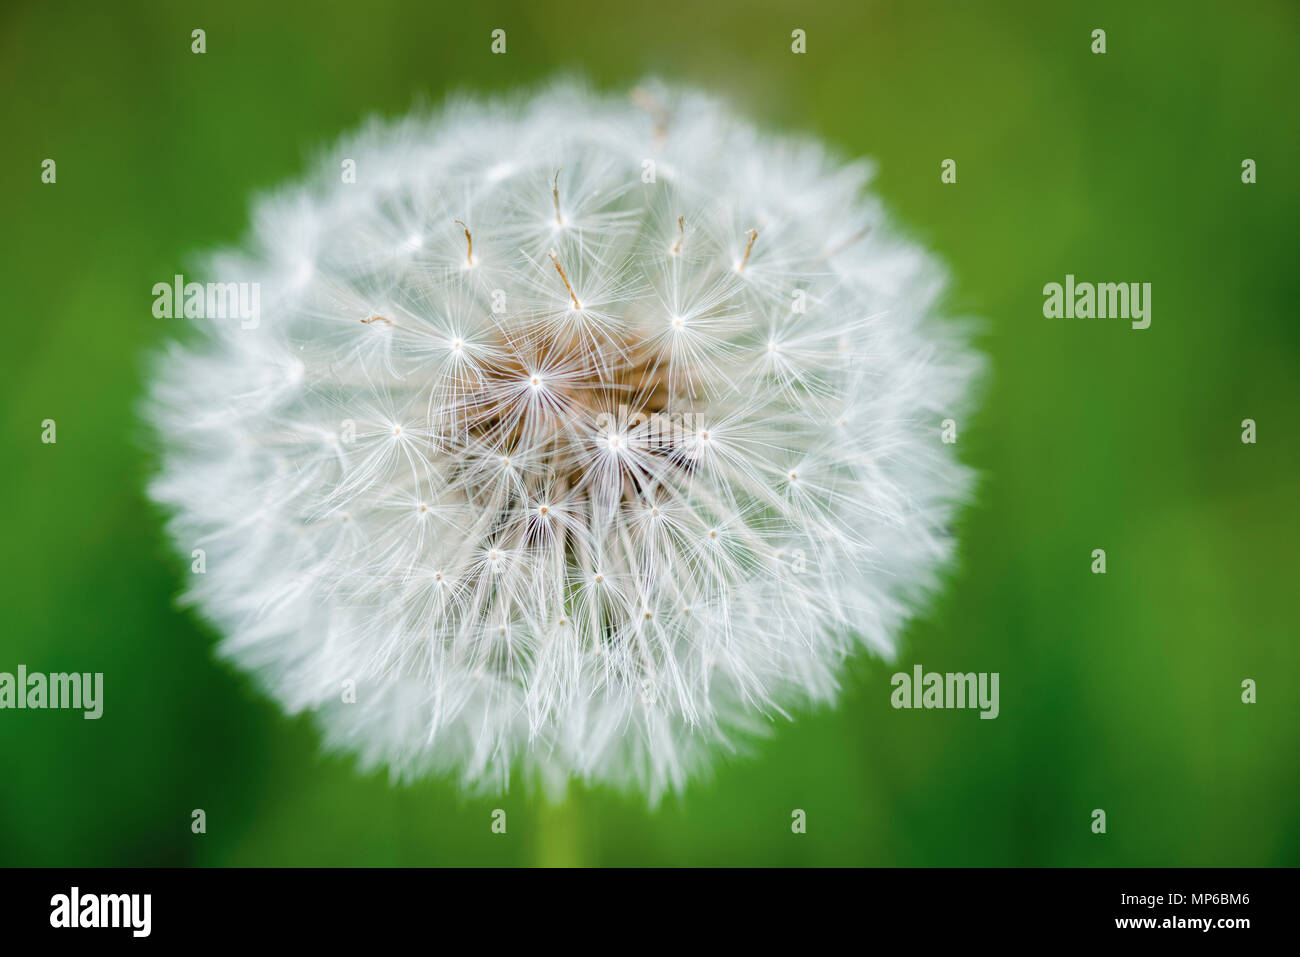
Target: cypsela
pixel 103 910
pixel 1107 300
pixel 59 690
pixel 951 690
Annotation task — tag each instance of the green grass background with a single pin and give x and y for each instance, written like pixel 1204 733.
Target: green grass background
pixel 1119 692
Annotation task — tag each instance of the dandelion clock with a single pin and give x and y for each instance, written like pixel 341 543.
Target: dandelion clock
pixel 577 437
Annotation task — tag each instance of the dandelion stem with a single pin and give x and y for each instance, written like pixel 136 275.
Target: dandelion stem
pixel 558 831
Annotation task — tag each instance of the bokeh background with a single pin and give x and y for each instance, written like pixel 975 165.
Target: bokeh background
pixel 1119 692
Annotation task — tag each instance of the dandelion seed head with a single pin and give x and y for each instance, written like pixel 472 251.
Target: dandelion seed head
pixel 657 504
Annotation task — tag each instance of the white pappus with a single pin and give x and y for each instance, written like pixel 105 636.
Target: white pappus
pixel 580 436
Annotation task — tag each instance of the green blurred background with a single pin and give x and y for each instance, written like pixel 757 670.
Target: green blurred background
pixel 1119 692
